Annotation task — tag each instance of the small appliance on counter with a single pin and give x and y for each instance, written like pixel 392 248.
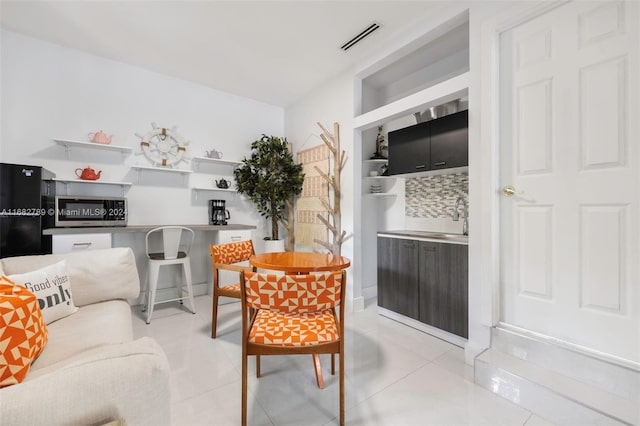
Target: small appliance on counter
pixel 218 213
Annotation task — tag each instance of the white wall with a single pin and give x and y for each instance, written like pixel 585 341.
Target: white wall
pixel 332 102
pixel 53 92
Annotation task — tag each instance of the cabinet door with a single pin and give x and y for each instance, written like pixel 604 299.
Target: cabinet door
pixel 449 141
pixel 409 149
pixel 430 292
pixel 454 276
pixel 69 243
pixel 398 276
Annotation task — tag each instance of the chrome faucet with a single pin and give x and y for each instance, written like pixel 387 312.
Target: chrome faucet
pixel 465 215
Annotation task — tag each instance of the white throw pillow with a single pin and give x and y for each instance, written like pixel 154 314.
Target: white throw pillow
pixel 52 287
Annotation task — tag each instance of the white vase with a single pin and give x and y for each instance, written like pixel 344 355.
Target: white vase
pixel 271 246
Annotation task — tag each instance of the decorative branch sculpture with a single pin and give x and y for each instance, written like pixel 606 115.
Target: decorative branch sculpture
pixel 339 160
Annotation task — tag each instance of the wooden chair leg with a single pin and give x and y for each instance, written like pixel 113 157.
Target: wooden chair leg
pixel 318 367
pixel 214 315
pixel 333 365
pixel 244 389
pixel 342 413
pixel 258 366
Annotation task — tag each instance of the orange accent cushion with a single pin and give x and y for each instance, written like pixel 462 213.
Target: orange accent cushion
pixel 232 252
pixel 293 293
pixel 232 287
pixel 23 333
pixel 306 329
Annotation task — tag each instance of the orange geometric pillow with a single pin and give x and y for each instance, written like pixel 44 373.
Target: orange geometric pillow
pixel 293 293
pixel 23 333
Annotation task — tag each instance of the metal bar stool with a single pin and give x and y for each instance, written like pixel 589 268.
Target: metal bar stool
pixel 176 244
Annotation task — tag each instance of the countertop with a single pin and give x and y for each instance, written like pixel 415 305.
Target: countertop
pixel 139 228
pixel 440 237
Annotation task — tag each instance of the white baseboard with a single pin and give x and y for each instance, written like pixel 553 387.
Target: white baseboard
pixel 434 331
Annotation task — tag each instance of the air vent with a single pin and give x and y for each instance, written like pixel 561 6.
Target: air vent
pixel 364 33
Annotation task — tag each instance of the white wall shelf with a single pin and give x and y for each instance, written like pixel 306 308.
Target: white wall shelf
pixel 198 189
pixel 68 182
pixel 448 90
pixel 197 162
pixel 377 161
pixel 162 169
pixel 380 195
pixel 69 144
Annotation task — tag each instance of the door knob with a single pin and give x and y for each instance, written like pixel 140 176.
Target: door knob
pixel 510 191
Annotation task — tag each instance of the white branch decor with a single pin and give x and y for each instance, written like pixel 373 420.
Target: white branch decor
pixel 339 159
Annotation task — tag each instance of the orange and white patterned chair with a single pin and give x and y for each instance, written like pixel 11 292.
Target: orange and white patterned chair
pixel 292 314
pixel 226 257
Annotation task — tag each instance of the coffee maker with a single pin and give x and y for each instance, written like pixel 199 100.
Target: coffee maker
pixel 218 214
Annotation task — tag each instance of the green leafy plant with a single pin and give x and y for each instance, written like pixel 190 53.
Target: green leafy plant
pixel 270 178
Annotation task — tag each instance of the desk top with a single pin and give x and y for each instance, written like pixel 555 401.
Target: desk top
pixel 299 262
pixel 139 228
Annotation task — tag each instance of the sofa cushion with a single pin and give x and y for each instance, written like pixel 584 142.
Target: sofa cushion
pixel 92 326
pixel 23 333
pixel 96 275
pixel 52 288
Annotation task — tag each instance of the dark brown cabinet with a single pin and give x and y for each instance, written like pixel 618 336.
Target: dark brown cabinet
pixel 449 141
pixel 397 278
pixel 426 281
pixel 437 144
pixel 409 149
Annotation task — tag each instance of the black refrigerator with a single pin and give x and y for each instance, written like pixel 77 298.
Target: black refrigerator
pixel 21 211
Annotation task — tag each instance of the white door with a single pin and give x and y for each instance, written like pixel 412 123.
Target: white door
pixel 569 146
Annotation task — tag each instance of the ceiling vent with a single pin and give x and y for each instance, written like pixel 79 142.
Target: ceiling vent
pixel 363 34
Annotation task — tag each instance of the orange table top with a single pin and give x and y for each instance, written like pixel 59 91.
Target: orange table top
pixel 303 262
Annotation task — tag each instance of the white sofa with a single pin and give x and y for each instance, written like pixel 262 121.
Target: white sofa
pixel 91 371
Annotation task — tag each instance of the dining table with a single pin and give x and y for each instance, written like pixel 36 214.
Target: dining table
pixel 298 262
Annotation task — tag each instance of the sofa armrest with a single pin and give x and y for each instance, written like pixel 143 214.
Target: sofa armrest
pixel 127 381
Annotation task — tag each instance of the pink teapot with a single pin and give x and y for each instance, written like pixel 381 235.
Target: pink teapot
pixel 88 174
pixel 100 137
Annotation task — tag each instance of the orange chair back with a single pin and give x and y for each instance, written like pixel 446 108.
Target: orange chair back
pixel 293 294
pixel 231 252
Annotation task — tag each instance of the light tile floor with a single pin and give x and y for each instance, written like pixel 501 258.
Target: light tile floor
pixel 395 375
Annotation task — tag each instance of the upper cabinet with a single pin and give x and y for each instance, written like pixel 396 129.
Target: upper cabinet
pixel 438 144
pixel 449 141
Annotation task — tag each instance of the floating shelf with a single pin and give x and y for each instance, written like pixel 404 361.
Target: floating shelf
pixel 379 195
pixel 376 161
pixel 379 177
pixel 68 144
pixel 201 188
pixel 198 189
pixel 163 169
pixel 66 182
pixel 214 161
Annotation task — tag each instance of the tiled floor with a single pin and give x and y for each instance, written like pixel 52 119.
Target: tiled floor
pixel 395 375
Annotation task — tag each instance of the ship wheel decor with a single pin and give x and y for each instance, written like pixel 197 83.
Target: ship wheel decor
pixel 163 147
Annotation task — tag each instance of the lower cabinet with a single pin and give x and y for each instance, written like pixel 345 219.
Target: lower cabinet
pixel 397 276
pixel 426 281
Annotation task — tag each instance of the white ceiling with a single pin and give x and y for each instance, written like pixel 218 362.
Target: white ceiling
pixel 271 51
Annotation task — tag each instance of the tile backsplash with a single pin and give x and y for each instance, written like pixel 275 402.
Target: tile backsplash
pixel 435 196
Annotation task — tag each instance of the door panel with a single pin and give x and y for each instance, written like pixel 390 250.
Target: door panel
pixel 569 136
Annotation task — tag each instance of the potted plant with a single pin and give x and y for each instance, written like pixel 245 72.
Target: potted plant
pixel 270 178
